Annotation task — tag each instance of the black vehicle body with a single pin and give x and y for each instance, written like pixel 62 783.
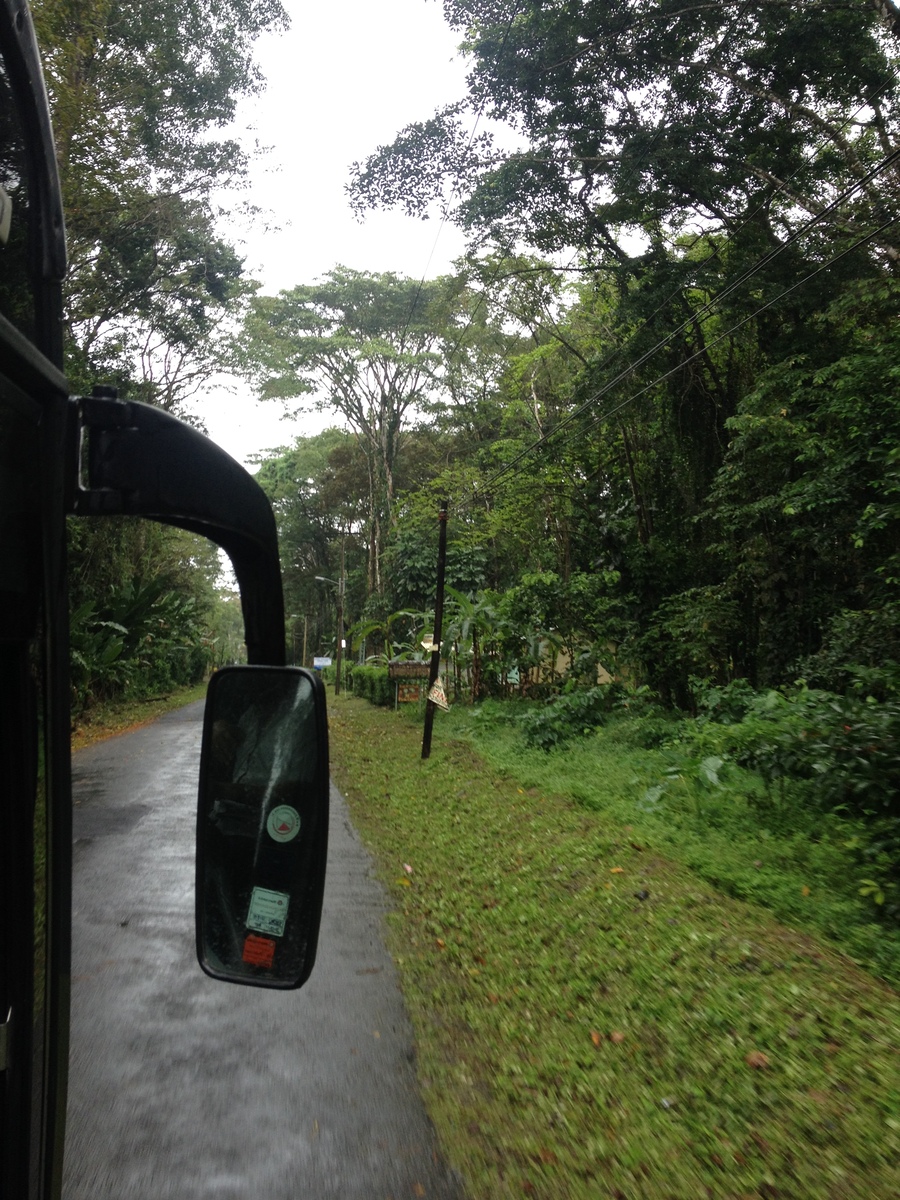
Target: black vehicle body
pixel 90 456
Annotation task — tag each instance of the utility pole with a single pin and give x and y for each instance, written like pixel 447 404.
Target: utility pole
pixel 340 623
pixel 339 584
pixel 438 624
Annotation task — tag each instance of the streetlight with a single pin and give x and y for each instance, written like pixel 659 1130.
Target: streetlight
pixel 339 584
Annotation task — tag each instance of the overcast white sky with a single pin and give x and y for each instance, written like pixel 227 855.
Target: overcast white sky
pixel 346 77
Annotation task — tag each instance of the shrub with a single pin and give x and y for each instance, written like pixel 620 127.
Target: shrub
pixel 860 651
pixel 571 714
pixel 835 754
pixel 372 684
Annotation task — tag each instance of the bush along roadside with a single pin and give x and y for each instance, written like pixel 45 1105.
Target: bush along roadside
pixel 143 641
pixel 372 684
pixel 791 800
pixel 828 763
pixel 592 1019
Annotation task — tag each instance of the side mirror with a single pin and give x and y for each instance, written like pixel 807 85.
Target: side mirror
pixel 262 825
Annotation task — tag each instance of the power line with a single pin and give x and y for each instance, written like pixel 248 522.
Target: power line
pixel 726 290
pixel 731 235
pixel 730 287
pixel 716 252
pixel 481 298
pixel 443 221
pixel 605 416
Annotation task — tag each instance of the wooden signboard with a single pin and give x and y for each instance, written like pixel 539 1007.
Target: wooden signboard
pixel 408 670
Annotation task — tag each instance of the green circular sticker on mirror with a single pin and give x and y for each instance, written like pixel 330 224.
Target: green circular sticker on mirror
pixel 283 823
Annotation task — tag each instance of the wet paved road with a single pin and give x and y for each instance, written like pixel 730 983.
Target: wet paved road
pixel 182 1087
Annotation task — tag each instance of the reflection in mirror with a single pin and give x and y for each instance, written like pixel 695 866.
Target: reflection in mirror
pixel 262 825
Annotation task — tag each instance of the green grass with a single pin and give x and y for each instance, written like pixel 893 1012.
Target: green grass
pixel 732 833
pixel 593 1019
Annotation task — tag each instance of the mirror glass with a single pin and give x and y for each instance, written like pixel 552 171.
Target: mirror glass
pixel 262 825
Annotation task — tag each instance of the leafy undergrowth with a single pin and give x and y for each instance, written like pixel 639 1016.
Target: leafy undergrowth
pixel 594 1020
pixel 713 817
pixel 121 716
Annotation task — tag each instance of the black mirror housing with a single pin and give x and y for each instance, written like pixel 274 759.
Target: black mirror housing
pixel 262 825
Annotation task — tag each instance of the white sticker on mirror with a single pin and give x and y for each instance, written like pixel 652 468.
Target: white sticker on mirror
pixel 283 823
pixel 268 911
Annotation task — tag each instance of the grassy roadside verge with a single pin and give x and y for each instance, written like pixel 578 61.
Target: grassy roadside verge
pixel 594 1020
pixel 109 720
pixel 782 853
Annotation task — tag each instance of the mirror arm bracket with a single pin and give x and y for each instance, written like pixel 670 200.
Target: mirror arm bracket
pixel 131 459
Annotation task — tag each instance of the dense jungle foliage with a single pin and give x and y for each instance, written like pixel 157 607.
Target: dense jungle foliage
pixel 659 391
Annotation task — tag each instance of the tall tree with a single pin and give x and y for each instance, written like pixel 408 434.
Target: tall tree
pixel 679 149
pixel 364 346
pixel 317 488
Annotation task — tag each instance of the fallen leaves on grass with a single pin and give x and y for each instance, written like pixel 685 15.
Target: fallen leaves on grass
pixel 757 1060
pixel 616 1037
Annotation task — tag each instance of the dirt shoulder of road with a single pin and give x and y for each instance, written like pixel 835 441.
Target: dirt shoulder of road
pixel 110 720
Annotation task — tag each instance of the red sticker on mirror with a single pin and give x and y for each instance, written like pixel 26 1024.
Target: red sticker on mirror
pixel 258 951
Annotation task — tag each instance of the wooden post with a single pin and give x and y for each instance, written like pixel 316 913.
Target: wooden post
pixel 438 623
pixel 340 622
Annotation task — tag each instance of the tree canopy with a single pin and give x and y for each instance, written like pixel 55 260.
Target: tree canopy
pixel 658 118
pixel 140 99
pixel 366 347
pixel 694 416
